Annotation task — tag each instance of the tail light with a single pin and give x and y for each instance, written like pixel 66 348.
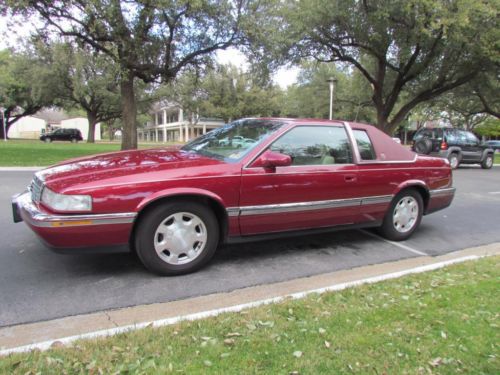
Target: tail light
pixel 444 145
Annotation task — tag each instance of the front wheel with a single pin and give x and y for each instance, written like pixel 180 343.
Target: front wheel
pixel 74 140
pixel 177 238
pixel 47 140
pixel 454 162
pixel 487 163
pixel 403 217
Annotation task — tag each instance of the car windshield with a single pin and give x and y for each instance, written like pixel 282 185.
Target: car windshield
pixel 233 141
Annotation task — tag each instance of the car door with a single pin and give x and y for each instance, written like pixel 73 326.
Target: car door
pixel 471 151
pixel 317 190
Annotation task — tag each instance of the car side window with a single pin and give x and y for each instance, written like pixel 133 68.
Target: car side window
pixel 365 146
pixel 315 145
pixel 472 139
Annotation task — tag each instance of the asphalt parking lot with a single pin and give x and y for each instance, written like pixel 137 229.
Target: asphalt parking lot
pixel 37 284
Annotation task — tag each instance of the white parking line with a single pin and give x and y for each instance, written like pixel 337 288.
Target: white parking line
pixel 398 244
pixel 494 192
pixel 236 308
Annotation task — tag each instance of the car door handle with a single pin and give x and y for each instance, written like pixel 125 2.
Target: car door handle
pixel 350 178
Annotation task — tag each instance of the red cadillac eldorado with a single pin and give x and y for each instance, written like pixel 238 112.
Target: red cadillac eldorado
pixel 174 206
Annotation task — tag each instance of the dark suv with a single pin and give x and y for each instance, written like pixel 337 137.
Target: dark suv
pixel 72 135
pixel 458 146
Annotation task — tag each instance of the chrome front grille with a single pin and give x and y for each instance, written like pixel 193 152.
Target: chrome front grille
pixel 36 188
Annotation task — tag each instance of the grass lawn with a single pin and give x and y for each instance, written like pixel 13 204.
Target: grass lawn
pixel 37 153
pixel 443 322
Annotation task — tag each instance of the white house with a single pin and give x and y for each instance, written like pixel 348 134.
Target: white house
pixel 169 125
pixel 46 120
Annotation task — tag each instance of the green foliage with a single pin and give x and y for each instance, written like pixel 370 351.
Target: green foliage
pixel 224 92
pixel 409 51
pixel 26 86
pixel 147 40
pixel 86 79
pixel 310 96
pixel 490 128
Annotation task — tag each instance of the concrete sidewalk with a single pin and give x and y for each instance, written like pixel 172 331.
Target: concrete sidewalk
pixel 74 326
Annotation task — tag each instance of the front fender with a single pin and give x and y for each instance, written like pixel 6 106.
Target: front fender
pixel 178 192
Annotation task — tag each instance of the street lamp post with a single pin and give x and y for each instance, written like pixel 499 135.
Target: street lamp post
pixel 332 81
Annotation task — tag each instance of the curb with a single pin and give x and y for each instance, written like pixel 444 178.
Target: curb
pixel 43 335
pixel 20 169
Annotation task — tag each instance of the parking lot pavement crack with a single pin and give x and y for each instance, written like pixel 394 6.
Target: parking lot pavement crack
pixel 110 319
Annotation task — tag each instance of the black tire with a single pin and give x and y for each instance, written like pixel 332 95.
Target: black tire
pixel 454 160
pixel 389 226
pixel 146 236
pixel 74 140
pixel 487 163
pixel 423 146
pixel 47 140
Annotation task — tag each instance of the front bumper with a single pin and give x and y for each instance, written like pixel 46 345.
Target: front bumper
pixel 73 230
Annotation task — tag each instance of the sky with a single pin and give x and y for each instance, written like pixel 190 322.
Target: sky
pixel 283 77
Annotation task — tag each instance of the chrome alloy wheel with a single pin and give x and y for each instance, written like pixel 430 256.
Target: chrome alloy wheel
pixel 454 161
pixel 180 238
pixel 405 214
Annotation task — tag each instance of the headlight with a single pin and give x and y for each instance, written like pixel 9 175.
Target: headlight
pixel 62 202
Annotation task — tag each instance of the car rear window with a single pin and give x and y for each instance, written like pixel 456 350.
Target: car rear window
pixel 365 146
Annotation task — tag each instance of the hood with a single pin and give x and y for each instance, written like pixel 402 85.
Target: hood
pixel 118 166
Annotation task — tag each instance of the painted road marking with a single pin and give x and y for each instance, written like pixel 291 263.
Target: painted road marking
pixel 236 308
pixel 398 244
pixel 494 192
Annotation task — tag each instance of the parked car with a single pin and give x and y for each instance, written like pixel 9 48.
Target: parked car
pixel 62 134
pixel 495 145
pixel 236 141
pixel 174 206
pixel 456 145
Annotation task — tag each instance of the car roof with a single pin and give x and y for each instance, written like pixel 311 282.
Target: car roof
pixel 311 121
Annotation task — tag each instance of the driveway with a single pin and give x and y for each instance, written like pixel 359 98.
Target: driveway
pixel 37 284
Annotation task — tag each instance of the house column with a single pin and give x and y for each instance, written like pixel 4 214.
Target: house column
pixel 204 128
pixel 181 135
pixel 165 116
pixel 181 115
pixel 156 135
pixel 164 134
pixel 187 132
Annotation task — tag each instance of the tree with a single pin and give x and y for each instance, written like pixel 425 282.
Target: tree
pixel 310 96
pixel 409 51
pixel 87 79
pixel 489 128
pixel 26 86
pixel 146 39
pixel 223 92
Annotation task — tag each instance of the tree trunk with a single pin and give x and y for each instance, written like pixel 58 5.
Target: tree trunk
pixel 1 129
pixel 91 118
pixel 129 112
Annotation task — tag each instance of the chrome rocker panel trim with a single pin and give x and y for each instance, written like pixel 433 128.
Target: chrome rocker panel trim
pixel 442 192
pixel 306 206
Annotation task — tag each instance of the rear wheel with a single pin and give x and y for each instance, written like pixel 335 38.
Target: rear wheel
pixel 454 162
pixel 47 140
pixel 177 238
pixel 487 163
pixel 74 140
pixel 404 216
